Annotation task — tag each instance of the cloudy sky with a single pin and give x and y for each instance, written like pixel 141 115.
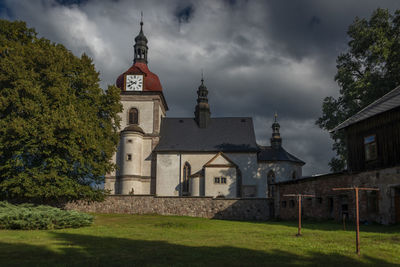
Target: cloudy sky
pixel 258 56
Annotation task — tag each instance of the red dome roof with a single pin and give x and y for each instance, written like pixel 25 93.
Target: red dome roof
pixel 151 80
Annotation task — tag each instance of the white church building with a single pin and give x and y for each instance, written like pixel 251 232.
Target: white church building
pixel 197 156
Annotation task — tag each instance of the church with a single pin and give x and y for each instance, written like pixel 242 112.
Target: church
pixel 200 156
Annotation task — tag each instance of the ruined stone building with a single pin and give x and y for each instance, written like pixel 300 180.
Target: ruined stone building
pixel 373 145
pixel 195 156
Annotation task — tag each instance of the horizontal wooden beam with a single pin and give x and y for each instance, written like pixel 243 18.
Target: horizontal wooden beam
pixel 298 195
pixel 356 188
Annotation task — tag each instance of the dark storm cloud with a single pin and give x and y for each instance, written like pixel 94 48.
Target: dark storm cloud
pixel 184 13
pixel 71 2
pixel 259 57
pixel 314 22
pixel 5 11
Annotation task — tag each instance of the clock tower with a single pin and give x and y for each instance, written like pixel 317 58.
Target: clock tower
pixel 144 105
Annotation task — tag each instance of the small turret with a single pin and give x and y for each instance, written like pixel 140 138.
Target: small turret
pixel 140 46
pixel 276 140
pixel 202 112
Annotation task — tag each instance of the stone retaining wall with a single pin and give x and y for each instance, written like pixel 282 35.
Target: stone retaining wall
pixel 206 207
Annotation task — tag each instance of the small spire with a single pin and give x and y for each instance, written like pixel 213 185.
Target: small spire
pixel 140 46
pixel 202 111
pixel 276 140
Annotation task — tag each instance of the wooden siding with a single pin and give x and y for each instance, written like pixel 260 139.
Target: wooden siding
pixel 386 127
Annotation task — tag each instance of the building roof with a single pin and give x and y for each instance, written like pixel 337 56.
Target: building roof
pixel 314 177
pixel 221 134
pixel 229 162
pixel 268 153
pixel 151 82
pixel 387 102
pixel 133 128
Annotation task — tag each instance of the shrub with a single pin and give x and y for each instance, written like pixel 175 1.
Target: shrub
pixel 30 216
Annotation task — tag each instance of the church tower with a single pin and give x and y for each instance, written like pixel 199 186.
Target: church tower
pixel 143 107
pixel 202 112
pixel 276 140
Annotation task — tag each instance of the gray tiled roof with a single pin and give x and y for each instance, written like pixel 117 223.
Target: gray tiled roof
pixel 268 153
pixel 222 134
pixel 387 102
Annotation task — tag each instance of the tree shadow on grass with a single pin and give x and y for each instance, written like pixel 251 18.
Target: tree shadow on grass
pixel 86 250
pixel 337 226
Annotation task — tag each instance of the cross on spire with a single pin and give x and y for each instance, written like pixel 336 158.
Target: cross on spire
pixel 141 44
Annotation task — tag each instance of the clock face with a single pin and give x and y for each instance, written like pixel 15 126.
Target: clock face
pixel 134 83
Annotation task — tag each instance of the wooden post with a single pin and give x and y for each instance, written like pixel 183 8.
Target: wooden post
pixel 358 223
pixel 344 222
pixel 299 198
pixel 356 189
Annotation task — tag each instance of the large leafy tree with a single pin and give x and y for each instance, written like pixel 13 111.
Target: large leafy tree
pixel 369 69
pixel 58 128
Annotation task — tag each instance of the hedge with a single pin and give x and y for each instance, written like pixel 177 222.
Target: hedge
pixel 30 216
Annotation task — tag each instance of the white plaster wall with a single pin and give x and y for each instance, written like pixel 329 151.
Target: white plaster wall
pixel 167 181
pixel 247 163
pixel 146 157
pixel 194 186
pixel 253 173
pixel 283 170
pixel 145 109
pixel 220 160
pixel 145 187
pixel 196 161
pixel 212 189
pixel 133 167
pixel 128 184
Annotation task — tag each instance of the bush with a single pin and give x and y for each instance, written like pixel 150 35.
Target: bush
pixel 30 216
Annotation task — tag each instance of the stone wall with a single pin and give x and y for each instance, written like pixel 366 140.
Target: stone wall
pixel 329 204
pixel 206 207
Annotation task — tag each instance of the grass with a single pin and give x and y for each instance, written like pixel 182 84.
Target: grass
pixel 152 240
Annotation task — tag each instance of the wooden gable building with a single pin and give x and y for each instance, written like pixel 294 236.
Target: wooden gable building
pixel 373 134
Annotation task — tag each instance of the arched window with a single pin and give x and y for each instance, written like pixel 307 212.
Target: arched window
pixel 294 175
pixel 185 182
pixel 271 182
pixel 133 116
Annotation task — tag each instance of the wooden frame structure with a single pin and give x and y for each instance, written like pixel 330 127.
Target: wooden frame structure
pixel 356 189
pixel 299 198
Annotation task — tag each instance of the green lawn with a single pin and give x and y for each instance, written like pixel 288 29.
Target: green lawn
pixel 151 240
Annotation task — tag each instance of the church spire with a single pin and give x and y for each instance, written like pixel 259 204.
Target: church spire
pixel 276 140
pixel 141 45
pixel 202 112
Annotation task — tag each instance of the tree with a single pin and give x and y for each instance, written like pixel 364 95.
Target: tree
pixel 367 71
pixel 58 128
